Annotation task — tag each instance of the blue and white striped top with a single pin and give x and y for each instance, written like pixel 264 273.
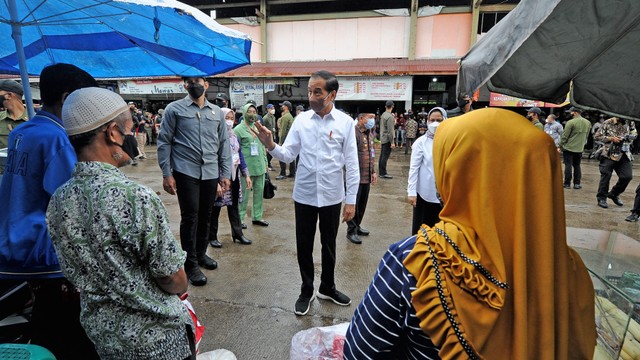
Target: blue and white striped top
pixel 385 325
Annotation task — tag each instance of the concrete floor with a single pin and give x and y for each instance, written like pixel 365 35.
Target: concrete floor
pixel 247 306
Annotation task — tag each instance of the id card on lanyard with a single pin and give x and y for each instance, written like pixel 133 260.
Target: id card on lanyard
pixel 254 148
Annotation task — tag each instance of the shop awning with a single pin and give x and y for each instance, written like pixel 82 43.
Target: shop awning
pixel 356 67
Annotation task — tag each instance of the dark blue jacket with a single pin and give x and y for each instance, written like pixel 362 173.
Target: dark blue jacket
pixel 40 159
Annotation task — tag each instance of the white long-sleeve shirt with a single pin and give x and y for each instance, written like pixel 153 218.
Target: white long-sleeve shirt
pixel 325 146
pixel 421 176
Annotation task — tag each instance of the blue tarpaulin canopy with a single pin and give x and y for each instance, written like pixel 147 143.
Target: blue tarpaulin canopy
pixel 117 39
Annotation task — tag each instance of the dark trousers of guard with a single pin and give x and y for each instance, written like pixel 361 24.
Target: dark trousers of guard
pixel 572 161
pixel 410 142
pixel 636 202
pixel 307 217
pixel 195 198
pixel 232 212
pixel 623 169
pixel 425 213
pixel 361 205
pixel 292 168
pixel 385 152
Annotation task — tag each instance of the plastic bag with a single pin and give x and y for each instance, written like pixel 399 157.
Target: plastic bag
pixel 319 343
pixel 220 354
pixel 199 328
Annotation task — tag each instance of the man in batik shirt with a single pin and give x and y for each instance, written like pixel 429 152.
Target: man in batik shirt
pixel 114 243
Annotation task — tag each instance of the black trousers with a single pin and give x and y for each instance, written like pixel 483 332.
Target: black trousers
pixel 232 213
pixel 636 202
pixel 306 220
pixel 409 142
pixel 361 205
pixel 425 213
pixel 623 169
pixel 385 152
pixel 572 160
pixel 195 198
pixel 292 168
pixel 55 320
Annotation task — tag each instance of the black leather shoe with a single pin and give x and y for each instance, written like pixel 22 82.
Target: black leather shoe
pixel 196 277
pixel 387 176
pixel 215 243
pixel 244 226
pixel 260 223
pixel 291 175
pixel 280 177
pixel 208 263
pixel 603 203
pixel 354 238
pixel 242 240
pixel 362 231
pixel 616 200
pixel 577 186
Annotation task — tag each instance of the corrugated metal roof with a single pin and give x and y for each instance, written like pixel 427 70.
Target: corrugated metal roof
pixel 356 67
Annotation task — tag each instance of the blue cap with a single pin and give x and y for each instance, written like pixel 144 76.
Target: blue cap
pixel 269 106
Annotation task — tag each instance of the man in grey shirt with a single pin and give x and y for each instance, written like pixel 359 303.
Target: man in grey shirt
pixel 387 135
pixel 194 155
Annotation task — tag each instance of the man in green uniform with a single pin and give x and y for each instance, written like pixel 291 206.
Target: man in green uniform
pixel 14 113
pixel 572 144
pixel 285 124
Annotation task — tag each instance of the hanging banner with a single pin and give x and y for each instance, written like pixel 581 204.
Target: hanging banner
pixel 497 99
pixel 380 88
pixel 145 87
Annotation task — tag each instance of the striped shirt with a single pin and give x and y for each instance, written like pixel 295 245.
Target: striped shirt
pixel 385 325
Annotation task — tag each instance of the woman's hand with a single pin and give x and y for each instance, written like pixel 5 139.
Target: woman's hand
pixel 249 183
pixel 412 200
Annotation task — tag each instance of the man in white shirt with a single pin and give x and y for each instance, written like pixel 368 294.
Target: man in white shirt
pixel 324 138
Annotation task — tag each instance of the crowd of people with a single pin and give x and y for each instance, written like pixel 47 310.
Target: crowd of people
pixel 461 280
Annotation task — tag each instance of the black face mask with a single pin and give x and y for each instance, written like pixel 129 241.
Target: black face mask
pixel 195 90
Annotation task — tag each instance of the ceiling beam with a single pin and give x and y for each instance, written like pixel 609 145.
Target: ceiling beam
pixel 228 5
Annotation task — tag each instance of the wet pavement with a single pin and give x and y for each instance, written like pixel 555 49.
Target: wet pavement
pixel 247 306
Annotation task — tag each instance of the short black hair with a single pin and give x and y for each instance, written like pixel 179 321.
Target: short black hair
pixel 57 79
pixel 331 82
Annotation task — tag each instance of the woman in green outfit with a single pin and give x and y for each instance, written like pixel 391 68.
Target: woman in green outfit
pixel 255 156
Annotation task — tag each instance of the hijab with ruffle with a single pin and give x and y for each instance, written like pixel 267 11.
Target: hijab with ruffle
pixel 530 296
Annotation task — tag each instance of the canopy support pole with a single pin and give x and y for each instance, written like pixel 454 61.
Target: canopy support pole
pixel 16 32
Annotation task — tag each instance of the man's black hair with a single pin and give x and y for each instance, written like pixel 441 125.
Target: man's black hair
pixel 331 82
pixel 57 79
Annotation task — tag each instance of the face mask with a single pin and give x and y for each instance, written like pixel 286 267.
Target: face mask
pixel 195 90
pixel 272 111
pixel 529 117
pixel 433 126
pixel 229 123
pixel 371 122
pixel 319 106
pixel 251 118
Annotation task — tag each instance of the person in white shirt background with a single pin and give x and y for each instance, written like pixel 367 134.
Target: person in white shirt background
pixel 324 139
pixel 421 188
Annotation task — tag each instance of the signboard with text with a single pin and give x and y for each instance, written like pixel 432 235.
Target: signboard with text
pixel 142 87
pixel 242 91
pixel 380 88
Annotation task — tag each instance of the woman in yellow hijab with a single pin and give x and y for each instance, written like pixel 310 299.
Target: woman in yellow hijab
pixel 494 279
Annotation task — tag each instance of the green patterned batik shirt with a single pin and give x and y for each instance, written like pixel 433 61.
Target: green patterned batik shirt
pixel 112 239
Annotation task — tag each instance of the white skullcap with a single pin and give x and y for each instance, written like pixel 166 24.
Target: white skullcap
pixel 89 108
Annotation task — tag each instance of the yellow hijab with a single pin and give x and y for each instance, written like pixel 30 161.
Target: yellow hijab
pixel 500 180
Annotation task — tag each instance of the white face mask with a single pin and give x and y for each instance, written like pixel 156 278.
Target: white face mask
pixel 272 111
pixel 433 126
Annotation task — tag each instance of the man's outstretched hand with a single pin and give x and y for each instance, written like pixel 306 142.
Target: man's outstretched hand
pixel 265 136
